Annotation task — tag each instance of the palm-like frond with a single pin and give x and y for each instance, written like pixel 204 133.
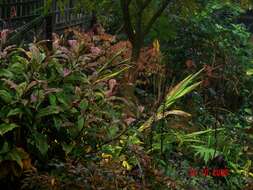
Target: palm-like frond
pixel 181 89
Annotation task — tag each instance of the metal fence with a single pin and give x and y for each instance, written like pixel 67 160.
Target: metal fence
pixel 16 13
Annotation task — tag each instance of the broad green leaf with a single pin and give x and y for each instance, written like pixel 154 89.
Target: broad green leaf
pixel 84 104
pixel 5 127
pixel 41 143
pixel 248 110
pixel 249 72
pixel 50 110
pixel 80 123
pixel 5 148
pixel 52 99
pixel 62 98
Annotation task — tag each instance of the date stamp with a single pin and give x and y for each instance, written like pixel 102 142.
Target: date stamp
pixel 215 172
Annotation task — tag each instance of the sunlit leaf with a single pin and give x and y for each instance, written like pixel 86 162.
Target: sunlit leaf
pixel 4 128
pixel 181 89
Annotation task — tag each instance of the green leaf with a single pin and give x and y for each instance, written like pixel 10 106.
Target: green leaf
pixel 50 110
pixel 15 156
pixel 74 110
pixel 6 73
pixel 111 75
pixel 249 72
pixel 191 135
pixel 182 88
pixel 112 131
pixel 248 110
pixel 76 77
pixel 15 111
pixel 205 153
pixel 62 99
pixel 67 147
pixel 80 123
pixel 41 143
pixel 84 104
pixel 5 127
pixel 5 96
pixel 99 95
pixel 5 148
pixel 17 68
pixel 133 139
pixel 21 88
pixel 52 99
pixel 111 60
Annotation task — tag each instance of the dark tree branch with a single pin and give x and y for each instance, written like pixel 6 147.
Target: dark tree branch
pixel 156 16
pixel 127 19
pixel 139 23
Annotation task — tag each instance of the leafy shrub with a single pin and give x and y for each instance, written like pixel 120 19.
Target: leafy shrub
pixel 212 38
pixel 50 107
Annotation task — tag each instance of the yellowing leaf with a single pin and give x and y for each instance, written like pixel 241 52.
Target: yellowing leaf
pixel 126 165
pixel 156 45
pixel 104 155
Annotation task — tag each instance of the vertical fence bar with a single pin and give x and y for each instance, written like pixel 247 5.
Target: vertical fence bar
pixel 49 27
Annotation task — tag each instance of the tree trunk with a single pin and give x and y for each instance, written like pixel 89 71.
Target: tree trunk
pixel 136 50
pixel 131 76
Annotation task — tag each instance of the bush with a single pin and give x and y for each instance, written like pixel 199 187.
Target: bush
pixel 50 107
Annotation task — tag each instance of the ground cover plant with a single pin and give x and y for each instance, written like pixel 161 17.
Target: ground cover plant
pixel 171 109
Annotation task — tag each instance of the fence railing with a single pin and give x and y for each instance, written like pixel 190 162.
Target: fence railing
pixel 15 13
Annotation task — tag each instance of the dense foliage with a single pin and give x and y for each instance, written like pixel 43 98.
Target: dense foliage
pixel 68 119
